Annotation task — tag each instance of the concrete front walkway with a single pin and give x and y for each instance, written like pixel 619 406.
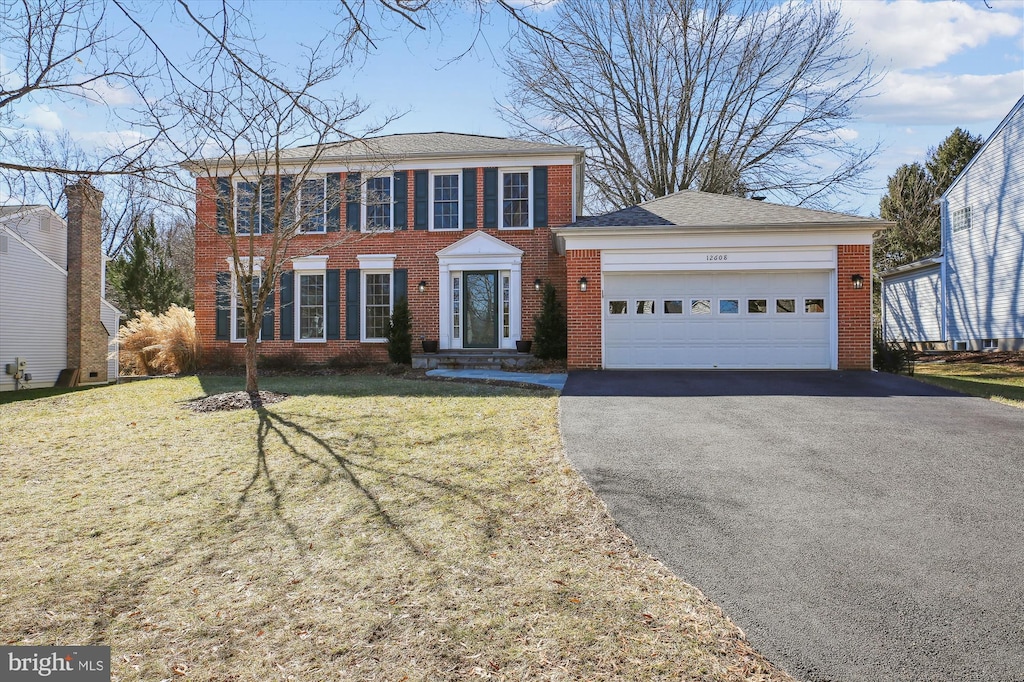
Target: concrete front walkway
pixel 859 527
pixel 555 381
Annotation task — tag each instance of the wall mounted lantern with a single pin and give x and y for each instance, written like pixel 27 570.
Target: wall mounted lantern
pixel 858 281
pixel 536 284
pixel 583 283
pixel 422 285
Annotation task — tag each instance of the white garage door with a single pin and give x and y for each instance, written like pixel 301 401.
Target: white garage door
pixel 755 320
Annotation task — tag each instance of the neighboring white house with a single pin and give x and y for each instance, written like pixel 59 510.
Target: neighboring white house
pixel 34 297
pixel 971 296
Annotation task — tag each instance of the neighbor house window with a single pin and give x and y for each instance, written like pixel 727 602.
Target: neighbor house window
pixel 312 204
pixel 377 305
pixel 960 219
pixel 377 204
pixel 445 204
pixel 514 187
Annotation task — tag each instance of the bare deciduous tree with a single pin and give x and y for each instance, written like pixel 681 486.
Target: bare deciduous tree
pixel 718 95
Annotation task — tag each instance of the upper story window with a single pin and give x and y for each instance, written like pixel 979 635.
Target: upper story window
pixel 312 206
pixel 248 217
pixel 514 199
pixel 960 219
pixel 445 194
pixel 378 205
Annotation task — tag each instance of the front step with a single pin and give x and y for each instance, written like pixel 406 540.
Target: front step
pixel 472 359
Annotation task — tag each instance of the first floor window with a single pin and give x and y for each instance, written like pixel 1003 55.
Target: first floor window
pixel 378 203
pixel 311 307
pixel 515 199
pixel 238 309
pixel 376 305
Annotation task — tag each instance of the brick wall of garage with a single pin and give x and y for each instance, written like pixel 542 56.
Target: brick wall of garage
pixel 854 314
pixel 583 311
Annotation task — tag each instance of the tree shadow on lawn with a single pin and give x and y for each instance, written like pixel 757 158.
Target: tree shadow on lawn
pixel 212 536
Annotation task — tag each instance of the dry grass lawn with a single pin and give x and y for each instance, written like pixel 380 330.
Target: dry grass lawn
pixel 366 528
pixel 1003 383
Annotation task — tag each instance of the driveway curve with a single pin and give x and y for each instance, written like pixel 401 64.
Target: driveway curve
pixel 856 526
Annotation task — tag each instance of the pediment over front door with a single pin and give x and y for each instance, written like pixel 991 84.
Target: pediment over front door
pixel 479 244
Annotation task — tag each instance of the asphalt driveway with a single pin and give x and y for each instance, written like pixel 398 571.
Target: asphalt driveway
pixel 856 526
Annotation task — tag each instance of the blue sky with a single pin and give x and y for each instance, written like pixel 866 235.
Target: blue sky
pixel 947 63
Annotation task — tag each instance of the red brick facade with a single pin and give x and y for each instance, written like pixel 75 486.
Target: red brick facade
pixel 583 311
pixel 854 315
pixel 414 249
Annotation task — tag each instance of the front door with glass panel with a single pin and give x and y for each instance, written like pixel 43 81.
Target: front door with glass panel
pixel 480 309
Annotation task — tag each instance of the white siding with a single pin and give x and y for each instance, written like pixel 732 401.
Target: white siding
pixel 912 306
pixel 985 264
pixel 33 315
pixel 44 230
pixel 111 317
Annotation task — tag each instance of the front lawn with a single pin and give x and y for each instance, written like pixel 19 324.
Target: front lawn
pixel 365 528
pixel 1003 383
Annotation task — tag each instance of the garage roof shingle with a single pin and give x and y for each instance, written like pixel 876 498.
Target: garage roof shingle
pixel 688 208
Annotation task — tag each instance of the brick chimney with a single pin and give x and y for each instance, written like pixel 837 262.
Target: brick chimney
pixel 87 337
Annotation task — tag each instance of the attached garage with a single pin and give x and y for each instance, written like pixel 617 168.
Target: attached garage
pixel 704 281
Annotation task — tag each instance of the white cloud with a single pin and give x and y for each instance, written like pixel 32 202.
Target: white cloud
pixel 103 91
pixel 910 34
pixel 43 118
pixel 911 99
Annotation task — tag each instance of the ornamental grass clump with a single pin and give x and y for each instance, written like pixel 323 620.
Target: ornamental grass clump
pixel 160 344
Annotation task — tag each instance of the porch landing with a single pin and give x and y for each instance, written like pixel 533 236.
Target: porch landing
pixel 484 358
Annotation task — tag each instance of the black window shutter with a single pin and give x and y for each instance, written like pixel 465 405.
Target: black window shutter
pixel 490 197
pixel 351 304
pixel 287 308
pixel 267 325
pixel 333 286
pixel 540 196
pixel 401 198
pixel 421 193
pixel 353 196
pixel 334 201
pixel 223 299
pixel 469 198
pixel 268 199
pixel 223 199
pixel 401 285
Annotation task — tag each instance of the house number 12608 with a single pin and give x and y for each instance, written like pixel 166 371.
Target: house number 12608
pixel 717 256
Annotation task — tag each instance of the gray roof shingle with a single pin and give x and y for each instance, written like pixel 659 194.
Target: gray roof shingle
pixel 688 208
pixel 438 144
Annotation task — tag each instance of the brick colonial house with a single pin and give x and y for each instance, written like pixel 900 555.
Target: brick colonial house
pixel 458 224
pixel 470 228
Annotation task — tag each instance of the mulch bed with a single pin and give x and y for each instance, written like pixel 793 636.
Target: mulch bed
pixel 980 357
pixel 239 400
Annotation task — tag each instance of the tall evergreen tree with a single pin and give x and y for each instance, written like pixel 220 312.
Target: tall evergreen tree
pixel 912 201
pixel 142 278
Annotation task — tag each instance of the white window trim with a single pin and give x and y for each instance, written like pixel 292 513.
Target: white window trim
pixel 365 184
pixel 430 202
pixel 307 265
pixel 298 205
pixel 362 301
pixel 501 197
